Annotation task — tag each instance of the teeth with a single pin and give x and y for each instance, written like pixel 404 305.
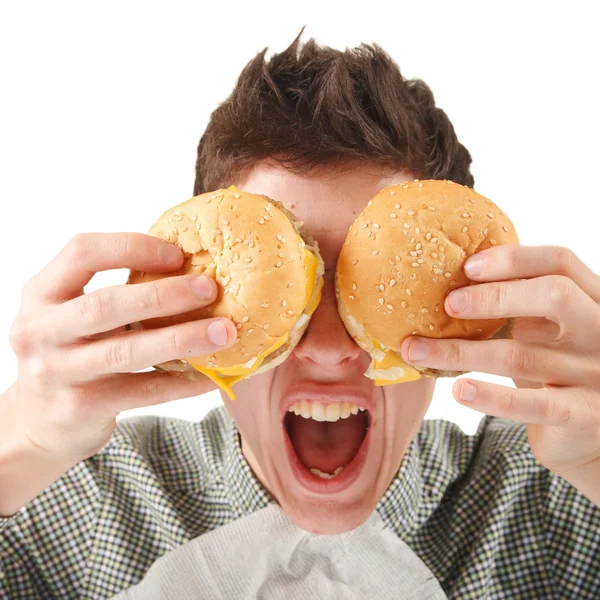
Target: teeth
pixel 325 412
pixel 327 475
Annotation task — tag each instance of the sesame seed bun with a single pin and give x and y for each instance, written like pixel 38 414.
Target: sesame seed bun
pixel 255 250
pixel 403 255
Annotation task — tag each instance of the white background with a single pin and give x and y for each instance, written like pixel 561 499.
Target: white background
pixel 103 104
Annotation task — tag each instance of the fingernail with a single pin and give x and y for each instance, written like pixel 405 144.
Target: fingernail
pixel 467 391
pixel 458 300
pixel 201 287
pixel 217 333
pixel 417 350
pixel 170 253
pixel 475 265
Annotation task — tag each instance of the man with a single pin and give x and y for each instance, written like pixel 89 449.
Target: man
pixel 90 506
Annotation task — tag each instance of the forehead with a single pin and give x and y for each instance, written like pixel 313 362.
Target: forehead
pixel 328 203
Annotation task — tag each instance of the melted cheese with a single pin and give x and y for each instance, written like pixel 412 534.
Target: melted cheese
pixel 393 362
pixel 225 377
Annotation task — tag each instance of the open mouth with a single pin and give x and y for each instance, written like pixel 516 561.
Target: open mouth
pixel 326 442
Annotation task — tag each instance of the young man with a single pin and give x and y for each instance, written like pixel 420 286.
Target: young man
pixel 90 506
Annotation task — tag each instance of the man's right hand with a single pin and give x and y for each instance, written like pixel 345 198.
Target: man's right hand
pixel 76 360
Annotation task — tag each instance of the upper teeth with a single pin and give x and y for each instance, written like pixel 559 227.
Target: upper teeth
pixel 325 412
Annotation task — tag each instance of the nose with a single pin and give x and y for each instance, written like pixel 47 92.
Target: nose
pixel 326 341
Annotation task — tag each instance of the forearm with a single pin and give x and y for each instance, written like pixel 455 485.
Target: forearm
pixel 25 471
pixel 586 479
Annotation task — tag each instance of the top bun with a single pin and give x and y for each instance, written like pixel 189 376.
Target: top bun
pixel 268 270
pixel 402 256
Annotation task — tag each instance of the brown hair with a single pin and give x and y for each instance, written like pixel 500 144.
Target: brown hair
pixel 312 106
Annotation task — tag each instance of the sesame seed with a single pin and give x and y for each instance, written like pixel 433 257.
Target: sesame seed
pixel 418 246
pixel 351 297
pixel 420 260
pixel 175 230
pixel 485 231
pixel 409 292
pixel 261 221
pixel 430 327
pixel 180 218
pixel 415 264
pixel 168 237
pixel 448 275
pixel 370 203
pixel 284 303
pixel 493 242
pixel 281 255
pixel 389 307
pixel 396 205
pixel 265 305
pixel 465 215
pixel 268 207
pixel 479 330
pixel 417 230
pixel 413 253
pixel 411 315
pixel 432 208
pixel 411 212
pixel 437 308
pixel 463 254
pixel 266 326
pixel 433 240
pixel 392 193
pixel 290 284
pixel 438 271
pixel 247 260
pixel 414 332
pixel 397 258
pixel 420 185
pixel 464 230
pixel 278 237
pixel 218 232
pixel 376 225
pixel 375 252
pixel 381 287
pixel 364 226
pixel 424 310
pixel 428 236
pixel 434 255
pixel 472 200
pixel 441 248
pixel 504 227
pixel 250 330
pixel 236 196
pixel 403 304
pixel 490 215
pixel 393 263
pixel 392 282
pixel 239 325
pixel 452 282
pixel 393 215
pixel 381 300
pixel 355 261
pixel 354 286
pixel 289 312
pixel 225 222
pixel 278 264
pixel 238 240
pixel 406 226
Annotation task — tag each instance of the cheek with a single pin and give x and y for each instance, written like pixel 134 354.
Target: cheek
pixel 405 407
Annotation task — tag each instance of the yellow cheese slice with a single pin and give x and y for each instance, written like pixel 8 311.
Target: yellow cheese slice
pixel 225 377
pixel 391 359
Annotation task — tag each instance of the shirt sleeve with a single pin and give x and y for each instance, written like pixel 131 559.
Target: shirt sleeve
pixel 572 528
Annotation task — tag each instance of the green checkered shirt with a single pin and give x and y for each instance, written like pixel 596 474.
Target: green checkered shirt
pixel 486 518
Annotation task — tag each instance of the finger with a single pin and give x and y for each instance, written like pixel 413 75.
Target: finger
pixel 543 406
pixel 116 306
pixel 134 390
pixel 535 330
pixel 507 358
pixel 88 253
pixel 554 297
pixel 137 350
pixel 524 262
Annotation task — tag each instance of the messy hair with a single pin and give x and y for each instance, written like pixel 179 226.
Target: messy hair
pixel 312 106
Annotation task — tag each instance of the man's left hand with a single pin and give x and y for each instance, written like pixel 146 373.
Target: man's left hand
pixel 554 356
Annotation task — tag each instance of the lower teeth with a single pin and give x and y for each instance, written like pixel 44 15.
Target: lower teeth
pixel 327 475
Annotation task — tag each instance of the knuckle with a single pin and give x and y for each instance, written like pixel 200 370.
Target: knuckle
pixel 506 400
pixel 154 297
pixel 92 308
pixel 497 294
pixel 561 290
pixel 453 353
pixel 513 257
pixel 39 369
pixel 20 336
pixel 119 355
pixel 563 258
pixel 78 244
pixel 519 360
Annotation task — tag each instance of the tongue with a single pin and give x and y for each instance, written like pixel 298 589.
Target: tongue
pixel 325 445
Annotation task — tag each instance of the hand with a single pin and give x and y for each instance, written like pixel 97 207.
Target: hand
pixel 555 303
pixel 75 356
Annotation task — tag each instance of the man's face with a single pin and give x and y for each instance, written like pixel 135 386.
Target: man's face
pixel 326 366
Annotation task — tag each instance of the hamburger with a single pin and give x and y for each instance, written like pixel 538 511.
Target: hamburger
pixel 402 256
pixel 269 275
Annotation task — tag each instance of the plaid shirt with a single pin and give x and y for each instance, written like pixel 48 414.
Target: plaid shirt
pixel 486 518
